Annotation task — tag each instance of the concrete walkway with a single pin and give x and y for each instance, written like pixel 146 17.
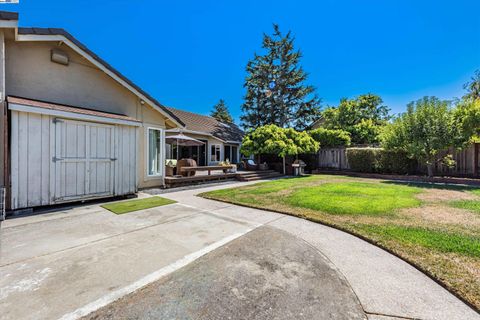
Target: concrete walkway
pixel 266 274
pixel 66 264
pixel 385 285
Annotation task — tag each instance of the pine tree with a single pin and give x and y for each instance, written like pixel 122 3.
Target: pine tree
pixel 221 113
pixel 276 89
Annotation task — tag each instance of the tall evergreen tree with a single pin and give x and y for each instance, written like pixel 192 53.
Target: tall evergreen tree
pixel 276 89
pixel 473 87
pixel 221 113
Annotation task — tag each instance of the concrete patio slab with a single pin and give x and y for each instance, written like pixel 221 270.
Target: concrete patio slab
pixel 266 274
pixel 82 258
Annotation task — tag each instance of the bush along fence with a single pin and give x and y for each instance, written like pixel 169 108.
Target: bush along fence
pixel 378 160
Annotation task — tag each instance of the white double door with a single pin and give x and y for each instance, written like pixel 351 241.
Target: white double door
pixel 84 160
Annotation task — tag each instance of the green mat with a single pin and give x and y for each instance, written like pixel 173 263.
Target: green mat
pixel 138 204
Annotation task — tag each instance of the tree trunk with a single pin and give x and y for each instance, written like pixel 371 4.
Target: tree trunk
pixel 430 169
pixel 284 169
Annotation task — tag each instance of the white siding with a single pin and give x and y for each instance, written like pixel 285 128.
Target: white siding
pixel 126 140
pixel 38 180
pixel 29 156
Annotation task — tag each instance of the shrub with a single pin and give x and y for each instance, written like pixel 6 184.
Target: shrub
pixel 378 160
pixel 363 159
pixel 329 138
pixel 396 162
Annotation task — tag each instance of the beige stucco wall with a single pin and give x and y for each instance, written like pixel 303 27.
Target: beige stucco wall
pixel 30 73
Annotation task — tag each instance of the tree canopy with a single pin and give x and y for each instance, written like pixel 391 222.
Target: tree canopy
pixel 473 87
pixel 329 138
pixel 427 128
pixel 271 139
pixel 362 117
pixel 276 92
pixel 467 120
pixel 221 113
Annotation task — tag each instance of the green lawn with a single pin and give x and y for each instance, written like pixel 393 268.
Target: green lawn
pixel 472 205
pixel 416 221
pixel 354 198
pixel 135 205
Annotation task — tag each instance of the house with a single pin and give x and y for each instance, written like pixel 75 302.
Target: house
pixel 222 140
pixel 72 127
pixel 318 123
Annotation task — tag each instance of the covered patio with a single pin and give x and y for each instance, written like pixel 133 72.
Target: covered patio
pixel 187 163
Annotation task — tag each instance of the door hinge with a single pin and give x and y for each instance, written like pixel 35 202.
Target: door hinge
pixel 113 159
pixel 56 120
pixel 55 159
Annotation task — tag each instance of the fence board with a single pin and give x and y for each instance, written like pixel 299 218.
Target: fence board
pixel 467 161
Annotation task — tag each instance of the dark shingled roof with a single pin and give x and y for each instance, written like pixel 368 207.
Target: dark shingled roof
pixel 7 15
pixel 62 32
pixel 209 125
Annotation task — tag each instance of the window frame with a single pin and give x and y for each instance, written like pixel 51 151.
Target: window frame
pixel 161 155
pixel 217 147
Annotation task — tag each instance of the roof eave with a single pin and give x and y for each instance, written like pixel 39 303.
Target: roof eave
pixel 74 44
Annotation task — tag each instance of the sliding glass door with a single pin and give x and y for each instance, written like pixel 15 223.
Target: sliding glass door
pixel 230 153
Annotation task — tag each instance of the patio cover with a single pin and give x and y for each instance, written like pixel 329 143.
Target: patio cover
pixel 183 140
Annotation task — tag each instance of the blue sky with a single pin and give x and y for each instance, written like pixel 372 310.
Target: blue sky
pixel 189 54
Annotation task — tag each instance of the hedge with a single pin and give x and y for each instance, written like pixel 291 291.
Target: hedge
pixel 378 160
pixel 329 138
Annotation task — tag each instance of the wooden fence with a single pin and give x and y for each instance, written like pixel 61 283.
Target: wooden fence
pixel 333 158
pixel 467 161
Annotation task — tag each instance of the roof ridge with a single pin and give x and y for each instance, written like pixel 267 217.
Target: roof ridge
pixel 194 113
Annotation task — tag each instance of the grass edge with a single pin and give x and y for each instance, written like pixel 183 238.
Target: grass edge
pixel 360 236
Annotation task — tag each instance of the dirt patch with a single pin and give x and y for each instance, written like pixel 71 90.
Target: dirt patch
pixel 432 195
pixel 444 215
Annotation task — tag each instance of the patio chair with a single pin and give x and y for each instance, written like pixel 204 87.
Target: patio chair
pixel 186 163
pixel 251 165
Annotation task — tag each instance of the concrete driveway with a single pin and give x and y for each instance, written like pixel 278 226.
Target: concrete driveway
pixel 207 260
pixel 55 263
pixel 266 274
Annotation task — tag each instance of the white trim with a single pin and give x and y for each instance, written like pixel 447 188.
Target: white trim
pixel 33 37
pixel 161 157
pixel 71 115
pixel 219 148
pixel 9 24
pixel 201 133
pixel 194 132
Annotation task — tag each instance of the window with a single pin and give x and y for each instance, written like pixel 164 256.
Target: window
pixel 215 153
pixel 230 152
pixel 226 153
pixel 154 165
pixel 234 158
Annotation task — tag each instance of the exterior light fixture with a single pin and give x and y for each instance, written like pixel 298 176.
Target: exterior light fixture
pixel 59 57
